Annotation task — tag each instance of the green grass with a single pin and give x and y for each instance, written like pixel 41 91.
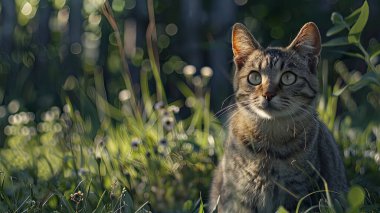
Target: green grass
pixel 164 160
pixel 135 153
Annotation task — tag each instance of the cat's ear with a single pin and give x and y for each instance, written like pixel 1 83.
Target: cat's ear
pixel 308 41
pixel 243 44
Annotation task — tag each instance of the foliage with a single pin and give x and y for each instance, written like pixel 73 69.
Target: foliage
pixel 139 152
pixel 355 23
pixel 112 144
pixel 159 158
pixel 355 131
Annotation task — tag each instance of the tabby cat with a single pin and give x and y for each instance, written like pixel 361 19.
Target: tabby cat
pixel 277 150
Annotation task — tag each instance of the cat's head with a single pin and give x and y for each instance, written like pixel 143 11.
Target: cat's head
pixel 276 82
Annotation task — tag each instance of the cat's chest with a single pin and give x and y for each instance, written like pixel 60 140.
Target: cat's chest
pixel 262 181
pixel 262 171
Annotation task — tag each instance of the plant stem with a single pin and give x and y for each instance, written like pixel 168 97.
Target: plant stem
pixel 366 57
pixel 107 12
pixel 365 53
pixel 151 39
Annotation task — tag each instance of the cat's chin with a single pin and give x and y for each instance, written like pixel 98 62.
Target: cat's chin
pixel 268 113
pixel 263 113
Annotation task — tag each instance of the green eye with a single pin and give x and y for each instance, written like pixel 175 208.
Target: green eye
pixel 288 78
pixel 254 78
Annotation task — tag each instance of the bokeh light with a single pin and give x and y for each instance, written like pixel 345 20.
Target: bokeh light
pixel 206 72
pixel 241 2
pixel 76 48
pixel 27 9
pixel 118 5
pixel 124 95
pixel 171 29
pixel 189 70
pixel 14 106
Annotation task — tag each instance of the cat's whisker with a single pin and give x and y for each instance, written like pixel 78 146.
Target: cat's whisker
pixel 228 122
pixel 227 108
pixel 304 130
pixel 313 116
pixel 224 101
pixel 239 109
pixel 295 109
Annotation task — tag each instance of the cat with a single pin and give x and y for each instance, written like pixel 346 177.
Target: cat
pixel 277 150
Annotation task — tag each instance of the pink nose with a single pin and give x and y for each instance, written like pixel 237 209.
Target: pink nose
pixel 269 95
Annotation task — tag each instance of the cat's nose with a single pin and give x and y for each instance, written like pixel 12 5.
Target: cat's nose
pixel 269 95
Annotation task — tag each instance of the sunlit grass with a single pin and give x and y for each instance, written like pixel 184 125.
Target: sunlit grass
pixel 137 153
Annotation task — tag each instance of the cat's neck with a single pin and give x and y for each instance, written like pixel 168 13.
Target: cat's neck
pixel 250 128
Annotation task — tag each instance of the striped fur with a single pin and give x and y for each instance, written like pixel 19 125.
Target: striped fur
pixel 277 149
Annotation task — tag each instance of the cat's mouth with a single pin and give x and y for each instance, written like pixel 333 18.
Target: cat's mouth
pixel 268 106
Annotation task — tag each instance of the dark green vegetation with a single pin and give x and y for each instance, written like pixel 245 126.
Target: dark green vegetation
pixel 99 113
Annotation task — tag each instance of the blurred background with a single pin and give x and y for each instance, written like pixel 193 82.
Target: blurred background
pixel 47 43
pixel 52 51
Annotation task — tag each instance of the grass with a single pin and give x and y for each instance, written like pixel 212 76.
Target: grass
pixel 136 154
pixel 165 160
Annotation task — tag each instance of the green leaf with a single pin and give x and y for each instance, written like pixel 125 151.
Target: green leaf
pixel 356 30
pixel 374 53
pixel 63 200
pixel 356 55
pixel 366 79
pixel 127 202
pixel 185 90
pixel 281 209
pixel 340 91
pixel 197 203
pixel 99 202
pixel 356 196
pixel 335 29
pixel 341 41
pixel 7 200
pixel 336 18
pixel 146 207
pixel 187 205
pixel 201 210
pixel 350 19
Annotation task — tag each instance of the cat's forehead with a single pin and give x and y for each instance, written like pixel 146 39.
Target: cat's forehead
pixel 271 58
pixel 274 53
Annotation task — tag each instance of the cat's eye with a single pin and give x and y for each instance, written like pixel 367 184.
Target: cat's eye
pixel 288 78
pixel 254 78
